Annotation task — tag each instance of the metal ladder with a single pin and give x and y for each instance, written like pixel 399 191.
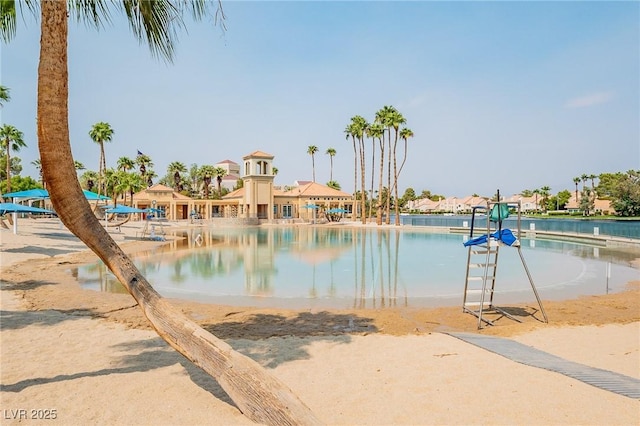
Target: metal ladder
pixel 482 265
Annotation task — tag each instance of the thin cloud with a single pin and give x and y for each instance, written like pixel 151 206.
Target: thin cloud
pixel 589 100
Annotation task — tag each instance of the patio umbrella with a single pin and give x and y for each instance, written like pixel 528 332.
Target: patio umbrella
pixel 336 210
pixel 20 208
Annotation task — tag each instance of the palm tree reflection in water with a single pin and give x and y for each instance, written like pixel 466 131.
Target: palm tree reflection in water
pixel 340 267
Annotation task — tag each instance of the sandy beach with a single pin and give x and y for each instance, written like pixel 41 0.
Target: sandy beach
pixel 75 357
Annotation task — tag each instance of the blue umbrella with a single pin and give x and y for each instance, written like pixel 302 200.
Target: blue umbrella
pixel 21 208
pixel 336 211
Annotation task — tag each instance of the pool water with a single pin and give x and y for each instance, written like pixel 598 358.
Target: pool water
pixel 340 267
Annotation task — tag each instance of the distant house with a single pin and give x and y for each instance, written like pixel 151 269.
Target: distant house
pixel 230 179
pixel 527 204
pixel 600 206
pixel 424 205
pixel 467 204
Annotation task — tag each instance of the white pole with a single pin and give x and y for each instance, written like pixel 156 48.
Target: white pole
pixel 15 223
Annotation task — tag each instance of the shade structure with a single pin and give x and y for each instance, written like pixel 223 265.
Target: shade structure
pixel 93 196
pixel 43 193
pixel 336 210
pixel 20 208
pixel 120 209
pixel 29 193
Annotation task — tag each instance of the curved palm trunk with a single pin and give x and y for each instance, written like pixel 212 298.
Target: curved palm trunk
pixel 404 158
pixel 258 395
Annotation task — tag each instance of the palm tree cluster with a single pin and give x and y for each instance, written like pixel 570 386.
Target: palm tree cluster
pixel 331 152
pixel 258 394
pixel 588 196
pixel 386 131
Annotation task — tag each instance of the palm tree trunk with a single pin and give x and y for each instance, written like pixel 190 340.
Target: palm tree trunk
pixel 363 202
pixel 257 394
pixel 373 173
pixel 379 209
pixel 387 219
pixel 8 166
pixel 395 183
pixel 355 178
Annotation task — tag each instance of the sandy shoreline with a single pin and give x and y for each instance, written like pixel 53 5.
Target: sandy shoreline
pixel 93 359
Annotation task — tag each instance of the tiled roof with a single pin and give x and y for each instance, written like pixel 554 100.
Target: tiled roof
pixel 259 154
pixel 314 189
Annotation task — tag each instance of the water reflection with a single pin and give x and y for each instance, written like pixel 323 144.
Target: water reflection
pixel 303 267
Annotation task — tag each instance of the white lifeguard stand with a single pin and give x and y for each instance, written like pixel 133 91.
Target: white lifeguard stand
pixel 482 259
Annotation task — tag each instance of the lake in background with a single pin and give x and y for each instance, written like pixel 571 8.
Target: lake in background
pixel 340 267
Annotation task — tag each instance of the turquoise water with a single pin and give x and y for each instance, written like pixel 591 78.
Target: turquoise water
pixel 309 267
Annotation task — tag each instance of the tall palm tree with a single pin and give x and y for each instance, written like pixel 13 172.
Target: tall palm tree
pixel 206 173
pixel 256 393
pixel 219 173
pixel 175 170
pixel 100 133
pixel 576 180
pixel 350 131
pixel 144 164
pixel 390 117
pixel 11 139
pixel 584 177
pixel 358 127
pixel 126 164
pixel 396 120
pixel 311 150
pixel 331 153
pixel 381 121
pixel 376 131
pixel 592 177
pixel 5 95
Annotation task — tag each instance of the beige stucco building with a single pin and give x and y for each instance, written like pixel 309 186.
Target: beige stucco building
pixel 257 201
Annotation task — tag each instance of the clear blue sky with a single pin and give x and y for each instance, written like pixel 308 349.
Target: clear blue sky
pixel 508 95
